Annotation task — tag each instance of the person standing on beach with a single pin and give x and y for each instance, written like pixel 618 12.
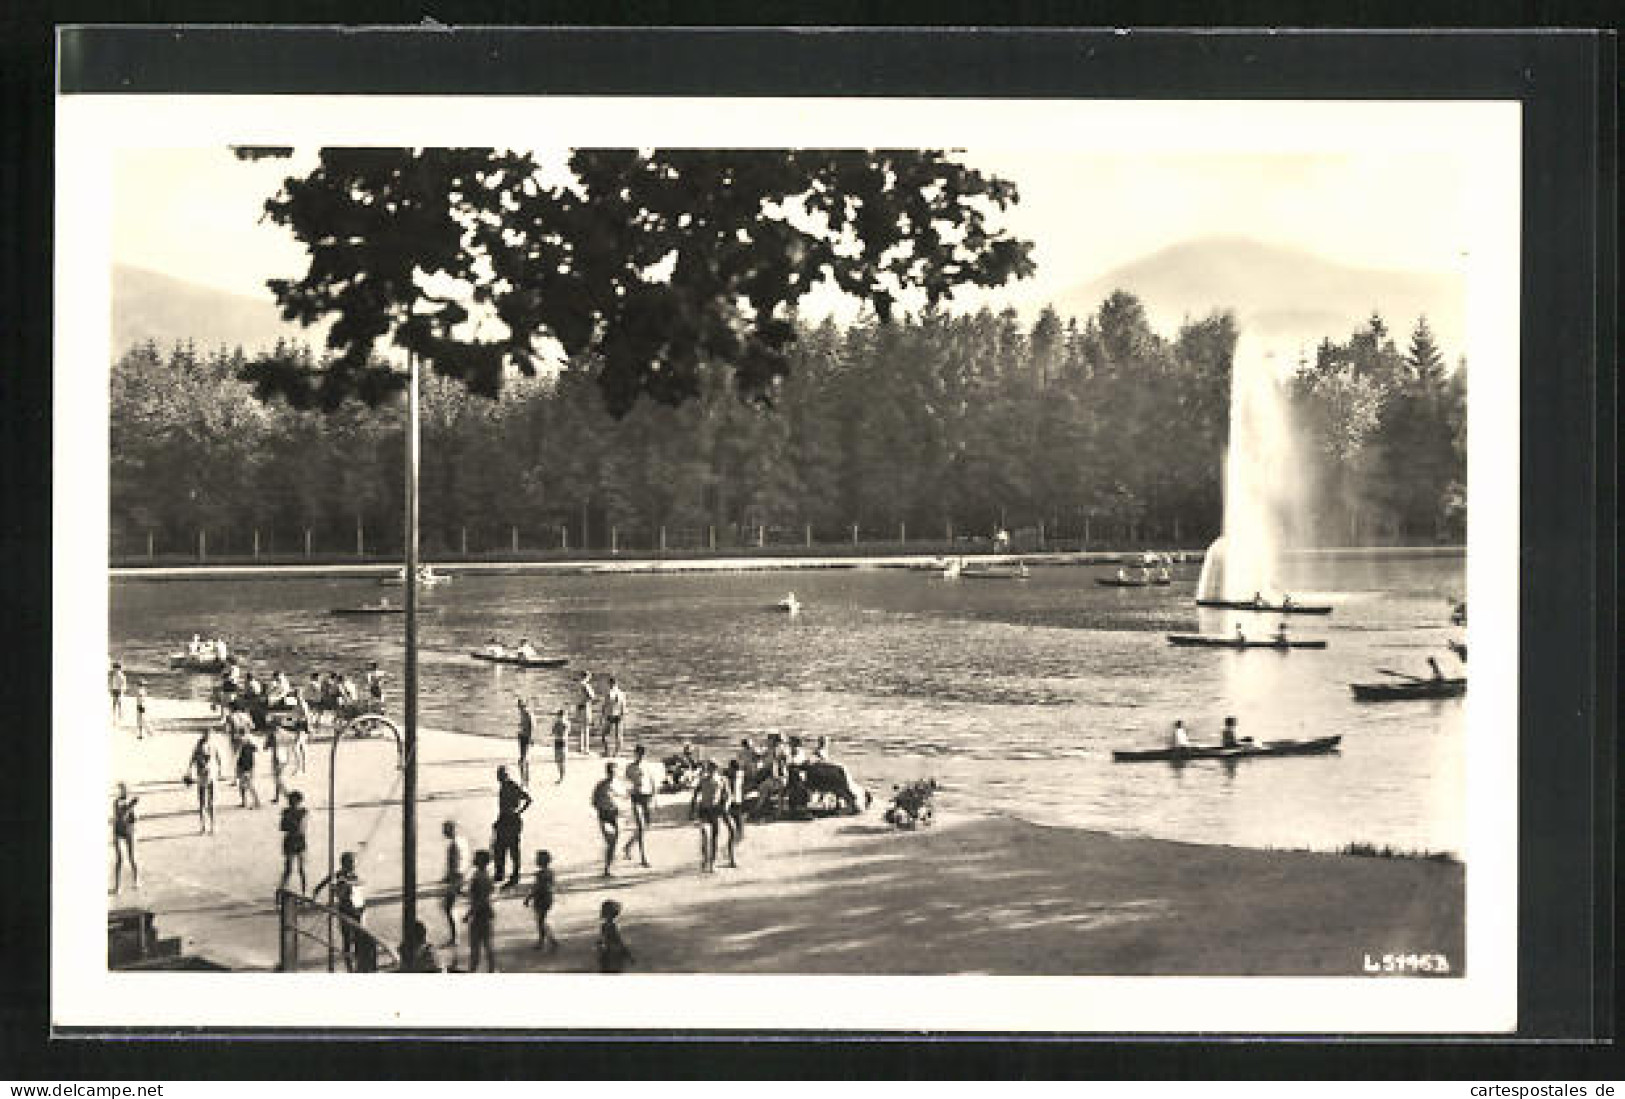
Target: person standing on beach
pixel 350 902
pixel 202 770
pixel 481 918
pixel 640 787
pixel 292 826
pixel 527 728
pixel 276 745
pixel 585 697
pixel 613 954
pixel 561 741
pixel 512 801
pixel 540 901
pixel 734 779
pixel 141 729
pixel 124 838
pixel 614 711
pixel 301 730
pixel 115 688
pixel 456 871
pixel 606 803
pixel 246 750
pixel 709 803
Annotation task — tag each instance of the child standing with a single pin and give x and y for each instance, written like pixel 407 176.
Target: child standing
pixel 613 955
pixel 481 914
pixel 540 900
pixel 141 729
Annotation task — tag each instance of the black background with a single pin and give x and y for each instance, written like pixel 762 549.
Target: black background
pixel 1568 767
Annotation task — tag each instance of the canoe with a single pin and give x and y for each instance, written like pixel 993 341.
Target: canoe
pixel 1421 688
pixel 207 665
pixel 993 572
pixel 1220 641
pixel 521 662
pixel 1266 608
pixel 1113 582
pixel 1318 746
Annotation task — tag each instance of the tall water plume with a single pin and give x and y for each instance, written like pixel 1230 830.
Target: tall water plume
pixel 1262 483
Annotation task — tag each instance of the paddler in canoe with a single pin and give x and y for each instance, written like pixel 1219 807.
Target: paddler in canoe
pixel 1280 633
pixel 495 648
pixel 526 651
pixel 1228 738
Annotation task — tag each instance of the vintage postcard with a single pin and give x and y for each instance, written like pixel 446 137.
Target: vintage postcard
pixel 803 564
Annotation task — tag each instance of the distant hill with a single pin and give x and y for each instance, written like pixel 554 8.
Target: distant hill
pixel 1283 297
pixel 151 306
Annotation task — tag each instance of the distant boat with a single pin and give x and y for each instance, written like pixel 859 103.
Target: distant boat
pixel 953 570
pixel 1122 582
pixel 1421 688
pixel 994 570
pixel 1318 746
pixel 1266 608
pixel 789 604
pixel 517 661
pixel 1223 641
pixel 192 662
pixel 427 578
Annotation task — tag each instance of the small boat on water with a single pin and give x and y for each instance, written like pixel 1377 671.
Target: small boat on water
pixel 1315 747
pixel 427 578
pixel 789 604
pixel 1420 688
pixel 517 661
pixel 1116 582
pixel 1221 641
pixel 995 570
pixel 952 570
pixel 1266 608
pixel 189 662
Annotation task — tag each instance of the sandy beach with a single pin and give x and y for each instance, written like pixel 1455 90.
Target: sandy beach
pixel 976 893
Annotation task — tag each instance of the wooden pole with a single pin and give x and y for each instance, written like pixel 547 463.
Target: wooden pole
pixel 360 539
pixel 256 543
pixel 711 537
pixel 149 545
pixel 409 777
pixel 662 539
pixel 564 537
pixel 614 541
pixel 514 540
pixel 761 536
pixel 809 536
pixel 902 534
pixel 854 534
pixel 202 546
pixel 465 540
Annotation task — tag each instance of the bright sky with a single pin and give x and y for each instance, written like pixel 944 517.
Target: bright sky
pixel 196 213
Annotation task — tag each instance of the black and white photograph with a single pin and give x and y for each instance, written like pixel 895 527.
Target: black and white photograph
pixel 823 563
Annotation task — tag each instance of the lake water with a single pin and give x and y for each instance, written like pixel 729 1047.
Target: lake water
pixel 1010 693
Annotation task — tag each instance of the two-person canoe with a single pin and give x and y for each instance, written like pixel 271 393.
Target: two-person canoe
pixel 994 572
pixel 1114 582
pixel 517 661
pixel 1318 746
pixel 388 608
pixel 1420 688
pixel 1266 608
pixel 1220 641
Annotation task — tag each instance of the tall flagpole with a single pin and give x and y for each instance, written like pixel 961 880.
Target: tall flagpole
pixel 409 780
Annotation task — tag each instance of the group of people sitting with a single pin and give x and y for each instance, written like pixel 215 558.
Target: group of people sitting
pixel 279 701
pixel 781 777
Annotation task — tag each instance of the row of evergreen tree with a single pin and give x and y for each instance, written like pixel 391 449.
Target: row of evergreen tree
pixel 1099 430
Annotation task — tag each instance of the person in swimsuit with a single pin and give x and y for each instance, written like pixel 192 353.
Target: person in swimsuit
pixel 585 697
pixel 481 918
pixel 561 741
pixel 456 873
pixel 292 826
pixel 246 750
pixel 614 711
pixel 527 728
pixel 141 729
pixel 203 769
pixel 124 838
pixel 613 954
pixel 734 779
pixel 540 901
pixel 512 801
pixel 641 788
pixel 301 731
pixel 115 688
pixel 606 803
pixel 708 805
pixel 417 955
pixel 350 901
pixel 276 744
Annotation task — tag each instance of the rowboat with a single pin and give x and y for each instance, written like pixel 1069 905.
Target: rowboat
pixel 427 578
pixel 1015 571
pixel 1266 608
pixel 1420 688
pixel 1220 641
pixel 186 662
pixel 517 661
pixel 1315 747
pixel 1114 582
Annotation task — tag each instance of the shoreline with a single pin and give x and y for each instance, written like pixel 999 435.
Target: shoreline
pixel 589 566
pixel 839 894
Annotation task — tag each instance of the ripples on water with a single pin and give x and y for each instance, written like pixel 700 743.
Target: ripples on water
pixel 1011 693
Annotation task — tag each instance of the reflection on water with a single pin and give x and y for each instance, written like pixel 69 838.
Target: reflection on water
pixel 1012 693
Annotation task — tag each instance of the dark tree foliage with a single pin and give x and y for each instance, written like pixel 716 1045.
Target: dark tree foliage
pixel 649 262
